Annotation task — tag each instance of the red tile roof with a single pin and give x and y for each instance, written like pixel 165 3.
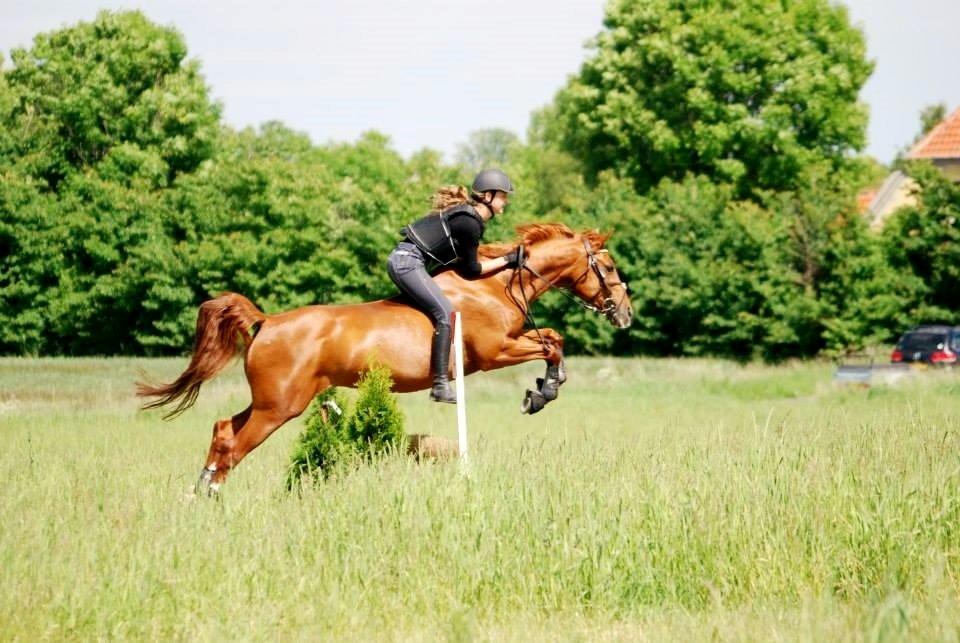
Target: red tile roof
pixel 943 141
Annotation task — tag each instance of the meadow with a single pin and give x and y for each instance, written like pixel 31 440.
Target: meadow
pixel 654 500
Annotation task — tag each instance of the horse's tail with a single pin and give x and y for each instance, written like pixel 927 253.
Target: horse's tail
pixel 225 326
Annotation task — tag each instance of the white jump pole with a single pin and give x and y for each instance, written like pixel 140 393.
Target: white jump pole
pixel 461 395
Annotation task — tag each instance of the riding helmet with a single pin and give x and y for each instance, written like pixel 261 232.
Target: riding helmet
pixel 491 181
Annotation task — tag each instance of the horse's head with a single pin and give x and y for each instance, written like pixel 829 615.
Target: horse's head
pixel 596 281
pixel 580 264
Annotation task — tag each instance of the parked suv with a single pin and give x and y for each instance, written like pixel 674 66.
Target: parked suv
pixel 930 344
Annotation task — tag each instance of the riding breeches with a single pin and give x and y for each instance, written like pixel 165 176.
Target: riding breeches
pixel 407 268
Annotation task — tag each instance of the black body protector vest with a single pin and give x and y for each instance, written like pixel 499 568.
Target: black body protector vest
pixel 432 233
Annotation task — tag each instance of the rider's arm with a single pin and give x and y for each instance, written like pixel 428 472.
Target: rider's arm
pixel 492 265
pixel 468 234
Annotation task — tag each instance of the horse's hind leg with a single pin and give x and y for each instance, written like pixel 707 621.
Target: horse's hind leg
pixel 235 438
pixel 281 387
pixel 224 432
pixel 232 441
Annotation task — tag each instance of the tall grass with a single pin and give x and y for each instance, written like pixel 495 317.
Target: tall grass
pixel 655 499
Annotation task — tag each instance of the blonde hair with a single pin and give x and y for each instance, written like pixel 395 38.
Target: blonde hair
pixel 450 195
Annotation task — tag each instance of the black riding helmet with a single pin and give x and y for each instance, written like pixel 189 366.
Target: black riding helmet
pixel 491 181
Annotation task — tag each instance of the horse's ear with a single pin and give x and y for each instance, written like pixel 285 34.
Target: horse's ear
pixel 596 238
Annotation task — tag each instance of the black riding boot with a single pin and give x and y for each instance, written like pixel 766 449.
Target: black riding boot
pixel 439 365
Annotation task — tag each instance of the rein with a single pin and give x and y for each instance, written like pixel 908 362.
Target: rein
pixel 608 305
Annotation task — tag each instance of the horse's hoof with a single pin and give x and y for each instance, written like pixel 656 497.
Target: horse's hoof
pixel 533 402
pixel 205 484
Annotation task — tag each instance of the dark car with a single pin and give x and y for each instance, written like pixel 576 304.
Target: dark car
pixel 929 344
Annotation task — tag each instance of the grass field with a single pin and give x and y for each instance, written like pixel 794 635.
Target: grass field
pixel 654 500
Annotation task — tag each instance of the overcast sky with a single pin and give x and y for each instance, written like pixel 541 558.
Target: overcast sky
pixel 428 72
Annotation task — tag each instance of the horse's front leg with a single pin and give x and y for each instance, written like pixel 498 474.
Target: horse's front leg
pixel 546 345
pixel 529 347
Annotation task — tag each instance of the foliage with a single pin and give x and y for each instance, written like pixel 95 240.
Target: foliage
pixel 731 124
pixel 335 435
pixel 117 90
pixel 100 120
pixel 486 148
pixel 324 442
pixel 695 263
pixel 713 275
pixel 837 291
pixel 376 424
pixel 930 117
pixel 922 242
pixel 749 93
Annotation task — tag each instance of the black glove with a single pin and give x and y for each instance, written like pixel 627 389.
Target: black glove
pixel 514 257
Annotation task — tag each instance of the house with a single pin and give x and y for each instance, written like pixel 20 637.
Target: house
pixel 941 146
pixel 897 191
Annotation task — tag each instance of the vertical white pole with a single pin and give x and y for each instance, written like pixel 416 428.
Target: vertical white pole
pixel 461 395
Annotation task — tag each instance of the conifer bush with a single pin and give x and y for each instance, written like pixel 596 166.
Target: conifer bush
pixel 336 436
pixel 376 424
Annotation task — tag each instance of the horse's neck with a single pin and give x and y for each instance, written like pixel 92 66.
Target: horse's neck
pixel 541 277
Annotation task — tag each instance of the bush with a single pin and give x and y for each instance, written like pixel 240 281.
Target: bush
pixel 376 424
pixel 335 437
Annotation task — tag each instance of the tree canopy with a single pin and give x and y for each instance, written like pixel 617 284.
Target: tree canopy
pixel 749 92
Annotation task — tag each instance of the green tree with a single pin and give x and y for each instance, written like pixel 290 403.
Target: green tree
pixel 376 424
pixel 549 181
pixel 923 241
pixel 99 120
pixel 286 223
pixel 83 90
pixel 486 148
pixel 828 285
pixel 930 117
pixel 695 262
pixel 710 274
pixel 746 92
pixel 324 443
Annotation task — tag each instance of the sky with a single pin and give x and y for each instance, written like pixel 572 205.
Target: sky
pixel 428 72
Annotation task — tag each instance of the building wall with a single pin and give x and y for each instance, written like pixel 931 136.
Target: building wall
pixel 897 191
pixel 950 168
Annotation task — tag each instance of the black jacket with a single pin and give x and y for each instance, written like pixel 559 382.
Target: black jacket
pixel 450 236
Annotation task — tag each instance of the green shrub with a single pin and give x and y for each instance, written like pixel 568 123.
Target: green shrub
pixel 376 424
pixel 324 441
pixel 333 436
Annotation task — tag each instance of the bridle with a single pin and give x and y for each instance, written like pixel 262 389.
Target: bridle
pixel 607 308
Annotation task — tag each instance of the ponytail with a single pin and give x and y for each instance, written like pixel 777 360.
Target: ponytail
pixel 448 196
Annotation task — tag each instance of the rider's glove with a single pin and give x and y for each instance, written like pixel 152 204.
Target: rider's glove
pixel 513 257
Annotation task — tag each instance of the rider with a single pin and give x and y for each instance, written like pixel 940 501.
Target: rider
pixel 449 235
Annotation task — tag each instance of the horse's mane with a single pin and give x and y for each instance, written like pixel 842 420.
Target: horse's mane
pixel 532 233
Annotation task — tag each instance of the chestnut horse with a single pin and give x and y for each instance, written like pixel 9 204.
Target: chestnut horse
pixel 290 357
